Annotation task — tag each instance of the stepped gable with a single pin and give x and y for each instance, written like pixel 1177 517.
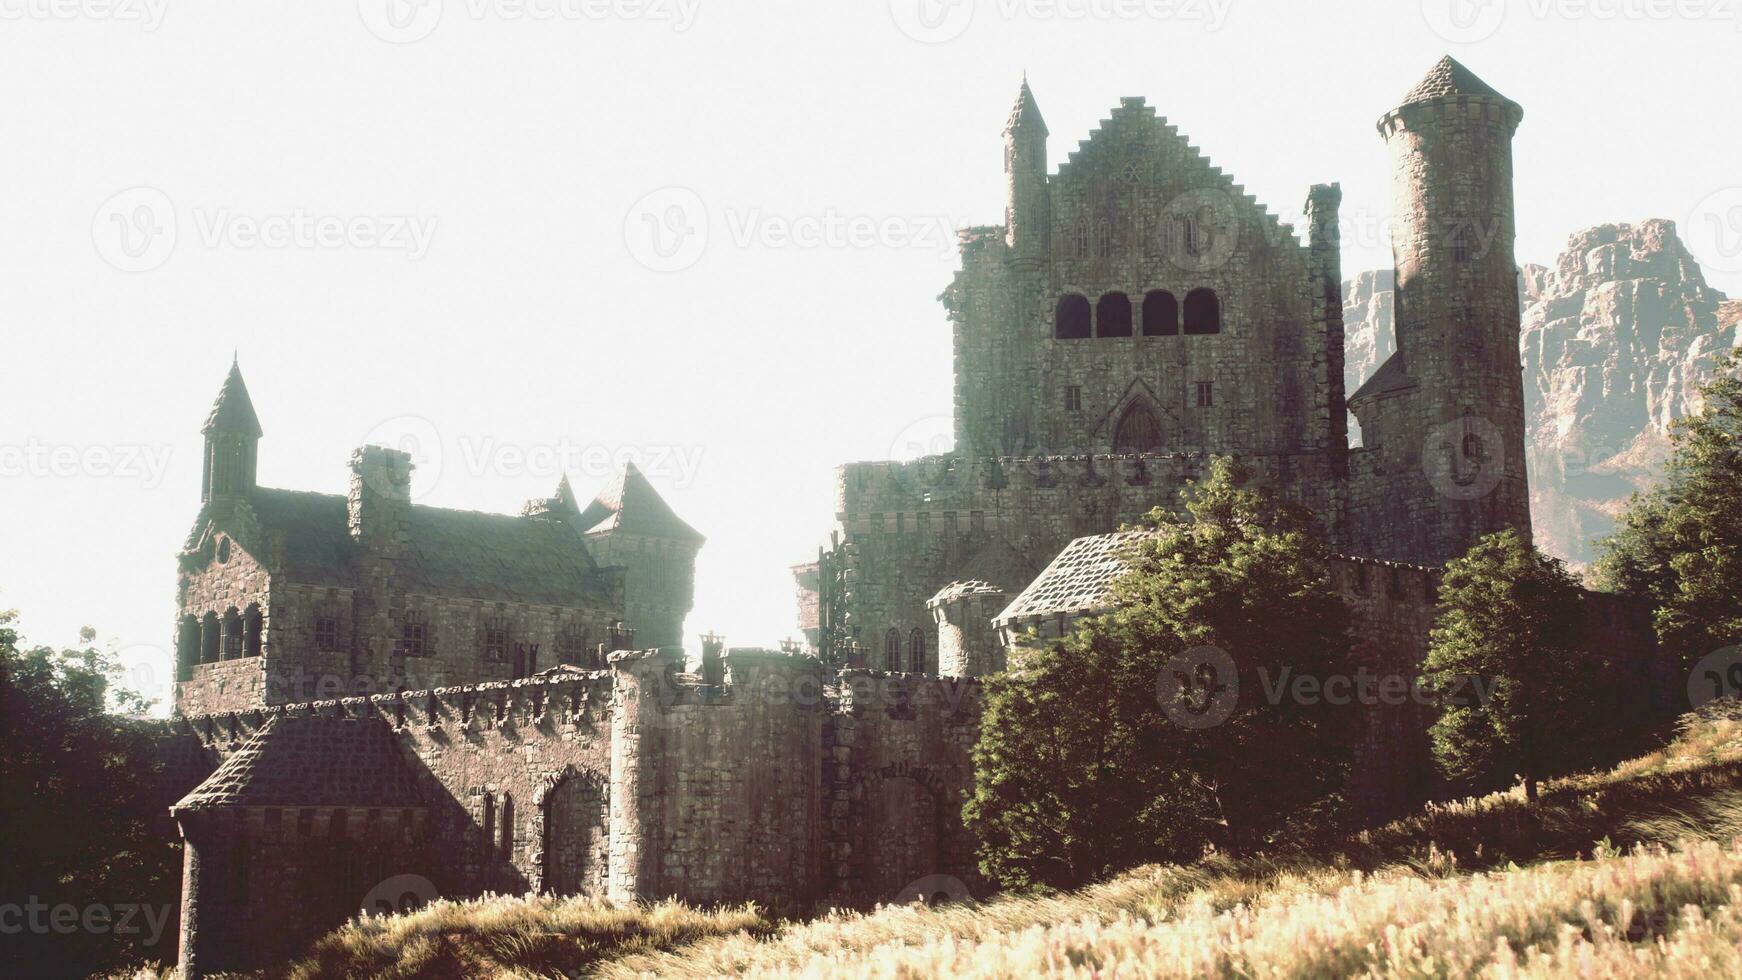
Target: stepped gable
pixel 1135 109
pixel 630 503
pixel 310 761
pixel 473 554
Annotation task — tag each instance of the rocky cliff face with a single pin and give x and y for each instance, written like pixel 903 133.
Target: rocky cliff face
pixel 1617 338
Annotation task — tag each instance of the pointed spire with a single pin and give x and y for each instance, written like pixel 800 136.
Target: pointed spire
pixel 1446 79
pixel 1025 114
pixel 233 411
pixel 630 503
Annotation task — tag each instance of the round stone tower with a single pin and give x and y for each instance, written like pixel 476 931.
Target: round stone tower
pixel 1457 310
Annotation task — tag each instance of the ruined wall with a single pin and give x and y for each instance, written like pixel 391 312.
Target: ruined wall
pixel 900 766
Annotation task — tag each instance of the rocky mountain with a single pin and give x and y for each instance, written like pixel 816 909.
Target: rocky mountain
pixel 1617 338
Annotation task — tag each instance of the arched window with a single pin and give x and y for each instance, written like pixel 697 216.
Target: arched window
pixel 1461 244
pixel 1113 315
pixel 1203 312
pixel 1072 319
pixel 232 633
pixel 916 647
pixel 1160 314
pixel 489 821
pixel 892 650
pixel 1137 431
pixel 253 624
pixel 507 827
pixel 209 639
pixel 187 647
pixel 1080 242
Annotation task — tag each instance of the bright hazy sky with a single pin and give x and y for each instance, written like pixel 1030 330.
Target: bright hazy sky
pixel 434 221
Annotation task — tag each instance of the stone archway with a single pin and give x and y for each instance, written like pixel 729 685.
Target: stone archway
pixel 571 817
pixel 1138 430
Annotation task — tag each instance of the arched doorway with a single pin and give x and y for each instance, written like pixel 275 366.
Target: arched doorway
pixel 575 810
pixel 1138 431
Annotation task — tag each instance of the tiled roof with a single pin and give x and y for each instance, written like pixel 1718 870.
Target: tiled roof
pixel 233 411
pixel 1448 78
pixel 629 503
pixel 497 557
pixel 1079 580
pixel 307 760
pixel 1391 376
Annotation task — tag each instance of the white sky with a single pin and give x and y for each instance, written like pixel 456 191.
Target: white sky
pixel 524 148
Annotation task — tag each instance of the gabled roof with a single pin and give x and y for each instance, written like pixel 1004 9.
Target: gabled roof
pixel 1079 580
pixel 629 503
pixel 1391 376
pixel 462 553
pixel 308 760
pixel 1448 78
pixel 233 411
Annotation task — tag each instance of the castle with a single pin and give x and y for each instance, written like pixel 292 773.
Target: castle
pixel 530 723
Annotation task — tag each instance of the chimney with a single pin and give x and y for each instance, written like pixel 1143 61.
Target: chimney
pixel 380 500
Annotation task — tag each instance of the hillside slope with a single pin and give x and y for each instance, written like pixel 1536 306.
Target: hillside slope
pixel 1629 872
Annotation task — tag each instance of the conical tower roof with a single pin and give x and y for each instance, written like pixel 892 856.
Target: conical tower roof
pixel 1025 114
pixel 1446 79
pixel 234 410
pixel 629 503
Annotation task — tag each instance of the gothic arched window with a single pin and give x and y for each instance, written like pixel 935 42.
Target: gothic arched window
pixel 916 650
pixel 1203 312
pixel 187 647
pixel 1138 431
pixel 1113 315
pixel 892 650
pixel 1071 320
pixel 1160 314
pixel 253 625
pixel 232 633
pixel 209 639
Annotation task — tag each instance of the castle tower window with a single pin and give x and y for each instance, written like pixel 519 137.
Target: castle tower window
pixel 1194 236
pixel 209 639
pixel 326 628
pixel 253 626
pixel 1080 241
pixel 1073 398
pixel 1206 394
pixel 1137 431
pixel 1072 318
pixel 571 646
pixel 892 650
pixel 916 648
pixel 1113 315
pixel 1160 314
pixel 496 639
pixel 187 647
pixel 1104 238
pixel 1461 244
pixel 232 633
pixel 488 819
pixel 507 827
pixel 414 634
pixel 1203 312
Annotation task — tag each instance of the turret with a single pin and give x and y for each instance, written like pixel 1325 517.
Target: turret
pixel 630 526
pixel 232 432
pixel 1451 402
pixel 1028 207
pixel 1325 245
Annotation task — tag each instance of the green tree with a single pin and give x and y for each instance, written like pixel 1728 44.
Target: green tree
pixel 1511 638
pixel 1680 546
pixel 83 808
pixel 1146 734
